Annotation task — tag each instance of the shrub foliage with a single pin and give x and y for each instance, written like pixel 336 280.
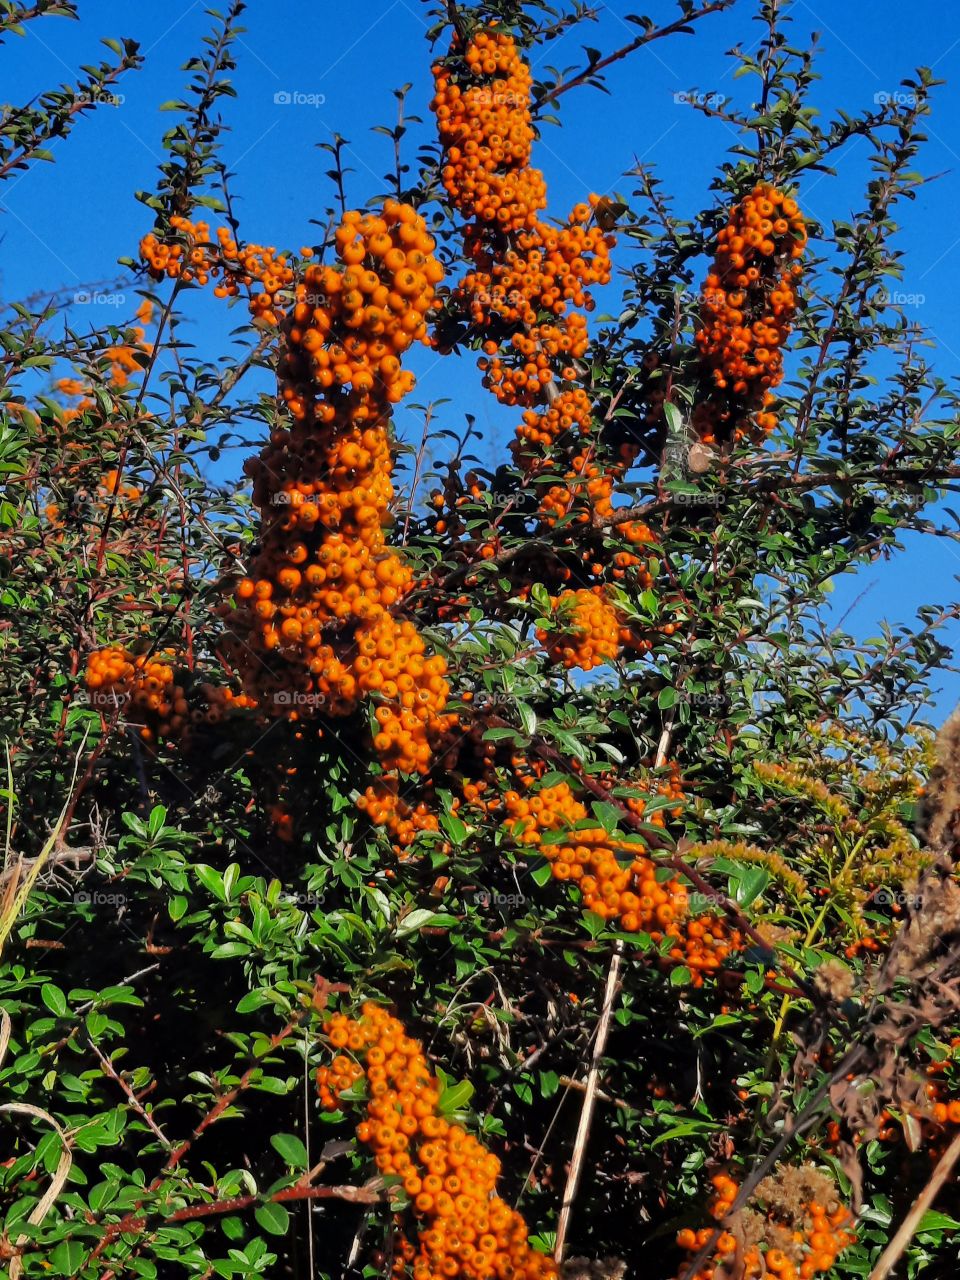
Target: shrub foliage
pixel 421 867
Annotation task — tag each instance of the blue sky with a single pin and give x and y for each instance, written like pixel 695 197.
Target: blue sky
pixel 66 224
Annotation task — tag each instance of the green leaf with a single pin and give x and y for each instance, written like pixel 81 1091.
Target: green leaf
pixel 54 999
pixel 233 1228
pixel 455 1097
pixel 415 921
pixel 608 815
pixel 291 1148
pixel 211 879
pixel 273 1218
pixel 67 1258
pixel 935 1221
pixel 528 717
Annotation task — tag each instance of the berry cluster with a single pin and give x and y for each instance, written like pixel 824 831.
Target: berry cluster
pixel 463 1228
pixel 616 879
pixel 384 807
pixel 195 257
pixel 797 1229
pixel 749 302
pixel 524 268
pixel 588 631
pixel 143 686
pixel 313 629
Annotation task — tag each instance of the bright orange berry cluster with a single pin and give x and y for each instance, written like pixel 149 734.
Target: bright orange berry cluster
pixel 384 807
pixel 799 1240
pixel 588 633
pixel 749 302
pixel 616 879
pixel 586 480
pixel 570 411
pixel 464 1229
pixel 195 257
pixel 314 623
pixel 143 686
pixel 523 267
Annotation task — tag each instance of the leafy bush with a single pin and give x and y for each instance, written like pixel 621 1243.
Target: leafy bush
pixel 447 871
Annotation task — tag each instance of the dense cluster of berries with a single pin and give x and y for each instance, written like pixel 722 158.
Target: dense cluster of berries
pixel 749 302
pixel 314 627
pixel 588 629
pixel 192 255
pixel 464 1229
pixel 570 411
pixel 524 268
pixel 385 807
pixel 143 686
pixel 615 877
pixel 794 1229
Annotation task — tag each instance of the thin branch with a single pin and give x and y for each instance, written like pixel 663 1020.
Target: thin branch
pixel 589 1101
pixel 657 33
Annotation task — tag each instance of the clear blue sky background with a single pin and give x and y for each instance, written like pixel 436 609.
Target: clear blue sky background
pixel 66 224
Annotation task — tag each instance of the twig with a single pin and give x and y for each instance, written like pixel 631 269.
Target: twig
pixel 589 1101
pixel 111 1071
pixel 656 33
